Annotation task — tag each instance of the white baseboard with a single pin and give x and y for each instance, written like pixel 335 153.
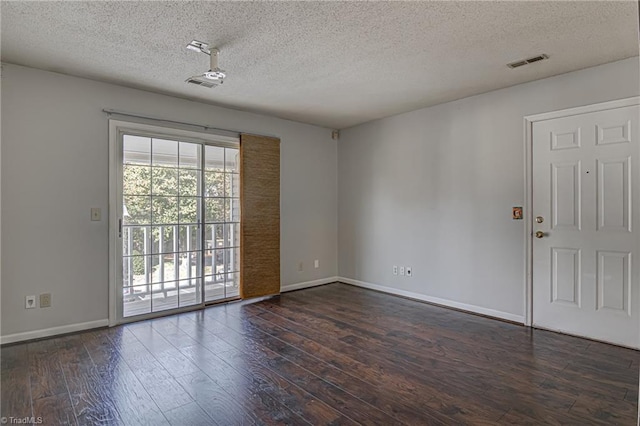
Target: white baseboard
pixel 436 300
pixel 63 329
pixel 53 331
pixel 307 284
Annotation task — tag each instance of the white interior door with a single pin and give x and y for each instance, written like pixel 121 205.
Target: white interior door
pixel 585 254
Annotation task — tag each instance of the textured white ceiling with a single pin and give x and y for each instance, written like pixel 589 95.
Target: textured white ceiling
pixel 335 64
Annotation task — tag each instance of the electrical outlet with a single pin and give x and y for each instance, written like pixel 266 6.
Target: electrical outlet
pixel 30 302
pixel 300 266
pixel 395 269
pixel 316 263
pixel 96 214
pixel 402 270
pixel 45 300
pixel 409 273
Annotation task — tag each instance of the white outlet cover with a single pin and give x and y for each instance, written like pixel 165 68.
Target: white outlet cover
pixel 402 270
pixel 395 270
pixel 316 263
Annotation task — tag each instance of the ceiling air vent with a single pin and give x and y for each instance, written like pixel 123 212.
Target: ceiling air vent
pixel 527 61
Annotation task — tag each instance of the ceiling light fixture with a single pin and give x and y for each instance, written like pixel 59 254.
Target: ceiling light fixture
pixel 215 75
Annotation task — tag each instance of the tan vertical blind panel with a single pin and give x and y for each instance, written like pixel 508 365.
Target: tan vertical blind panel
pixel 260 220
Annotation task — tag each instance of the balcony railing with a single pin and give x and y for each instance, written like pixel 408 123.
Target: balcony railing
pixel 171 275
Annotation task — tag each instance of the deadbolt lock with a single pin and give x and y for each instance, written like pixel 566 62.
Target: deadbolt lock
pixel 539 219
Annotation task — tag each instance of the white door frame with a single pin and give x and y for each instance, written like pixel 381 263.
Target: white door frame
pixel 528 184
pixel 117 127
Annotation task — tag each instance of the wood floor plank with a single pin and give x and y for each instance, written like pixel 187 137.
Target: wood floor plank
pixel 104 389
pixel 54 410
pixel 15 395
pixel 334 355
pixel 334 396
pixel 292 396
pixel 189 415
pixel 401 367
pixel 517 359
pixel 45 370
pixel 338 377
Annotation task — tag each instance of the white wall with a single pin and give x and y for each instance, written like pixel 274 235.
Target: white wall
pixel 55 168
pixel 434 188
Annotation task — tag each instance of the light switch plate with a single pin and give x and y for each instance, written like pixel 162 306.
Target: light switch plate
pixel 96 214
pixel 316 263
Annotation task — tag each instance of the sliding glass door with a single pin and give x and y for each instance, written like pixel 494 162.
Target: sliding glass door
pixel 179 223
pixel 222 223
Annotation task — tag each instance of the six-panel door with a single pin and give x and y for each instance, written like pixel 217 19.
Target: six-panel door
pixel 586 189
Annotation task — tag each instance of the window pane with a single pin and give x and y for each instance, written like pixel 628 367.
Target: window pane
pixel 189 265
pixel 165 181
pixel 136 150
pixel 214 210
pixel 214 236
pixel 164 267
pixel 189 237
pixel 214 288
pixel 162 239
pixel 232 285
pixel 137 300
pixel 165 296
pixel 232 210
pixel 189 292
pixel 127 271
pixel 218 261
pixel 232 160
pixel 164 153
pixel 231 260
pixel 214 184
pixel 138 269
pixel 189 209
pixel 189 155
pixel 136 210
pixel 133 238
pixel 136 180
pixel 214 158
pixel 233 185
pixel 207 268
pixel 157 268
pixel 165 210
pixel 189 182
pixel 234 263
pixel 232 235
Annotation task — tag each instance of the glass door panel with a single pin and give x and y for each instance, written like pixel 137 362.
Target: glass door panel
pixel 222 220
pixel 161 184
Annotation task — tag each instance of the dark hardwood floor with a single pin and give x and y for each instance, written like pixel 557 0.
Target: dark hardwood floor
pixel 334 354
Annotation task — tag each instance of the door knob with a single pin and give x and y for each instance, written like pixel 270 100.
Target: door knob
pixel 539 234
